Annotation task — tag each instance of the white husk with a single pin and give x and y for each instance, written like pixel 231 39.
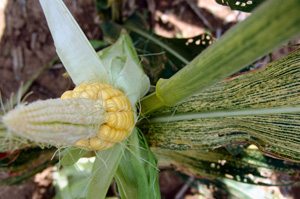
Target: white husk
pixel 72 47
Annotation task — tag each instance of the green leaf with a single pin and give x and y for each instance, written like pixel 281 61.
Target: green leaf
pixel 161 57
pixel 137 174
pixel 98 44
pixel 166 56
pixel 104 169
pixel 104 4
pixel 251 166
pixel 109 9
pixel 261 108
pixel 259 34
pixel 241 5
pixel 71 156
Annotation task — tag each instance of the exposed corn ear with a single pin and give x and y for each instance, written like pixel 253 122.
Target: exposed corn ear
pixel 56 122
pixel 119 118
pixel 92 116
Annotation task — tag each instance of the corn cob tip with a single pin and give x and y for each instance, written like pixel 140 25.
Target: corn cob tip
pixel 56 122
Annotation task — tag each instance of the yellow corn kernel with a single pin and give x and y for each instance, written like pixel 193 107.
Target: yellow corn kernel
pixel 67 95
pixel 104 131
pixel 82 143
pixel 119 115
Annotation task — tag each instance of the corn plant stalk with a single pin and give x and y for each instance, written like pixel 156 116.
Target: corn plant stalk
pixel 270 26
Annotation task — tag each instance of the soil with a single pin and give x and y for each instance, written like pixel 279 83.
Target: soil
pixel 26 45
pixel 37 187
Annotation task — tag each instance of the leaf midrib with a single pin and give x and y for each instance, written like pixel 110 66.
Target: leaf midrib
pixel 227 113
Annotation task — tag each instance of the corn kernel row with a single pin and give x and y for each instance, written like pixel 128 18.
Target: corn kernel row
pixel 119 118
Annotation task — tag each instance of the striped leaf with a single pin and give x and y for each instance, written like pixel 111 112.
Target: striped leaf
pixel 262 108
pixel 251 166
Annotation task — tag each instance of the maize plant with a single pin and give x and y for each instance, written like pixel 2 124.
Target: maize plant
pixel 190 121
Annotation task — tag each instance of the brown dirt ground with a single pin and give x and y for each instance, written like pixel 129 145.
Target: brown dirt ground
pixel 26 45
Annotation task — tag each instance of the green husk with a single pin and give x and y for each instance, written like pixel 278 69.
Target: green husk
pixel 137 174
pixel 71 156
pixel 104 169
pixel 123 66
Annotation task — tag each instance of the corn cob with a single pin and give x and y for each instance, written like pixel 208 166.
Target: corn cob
pixel 119 118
